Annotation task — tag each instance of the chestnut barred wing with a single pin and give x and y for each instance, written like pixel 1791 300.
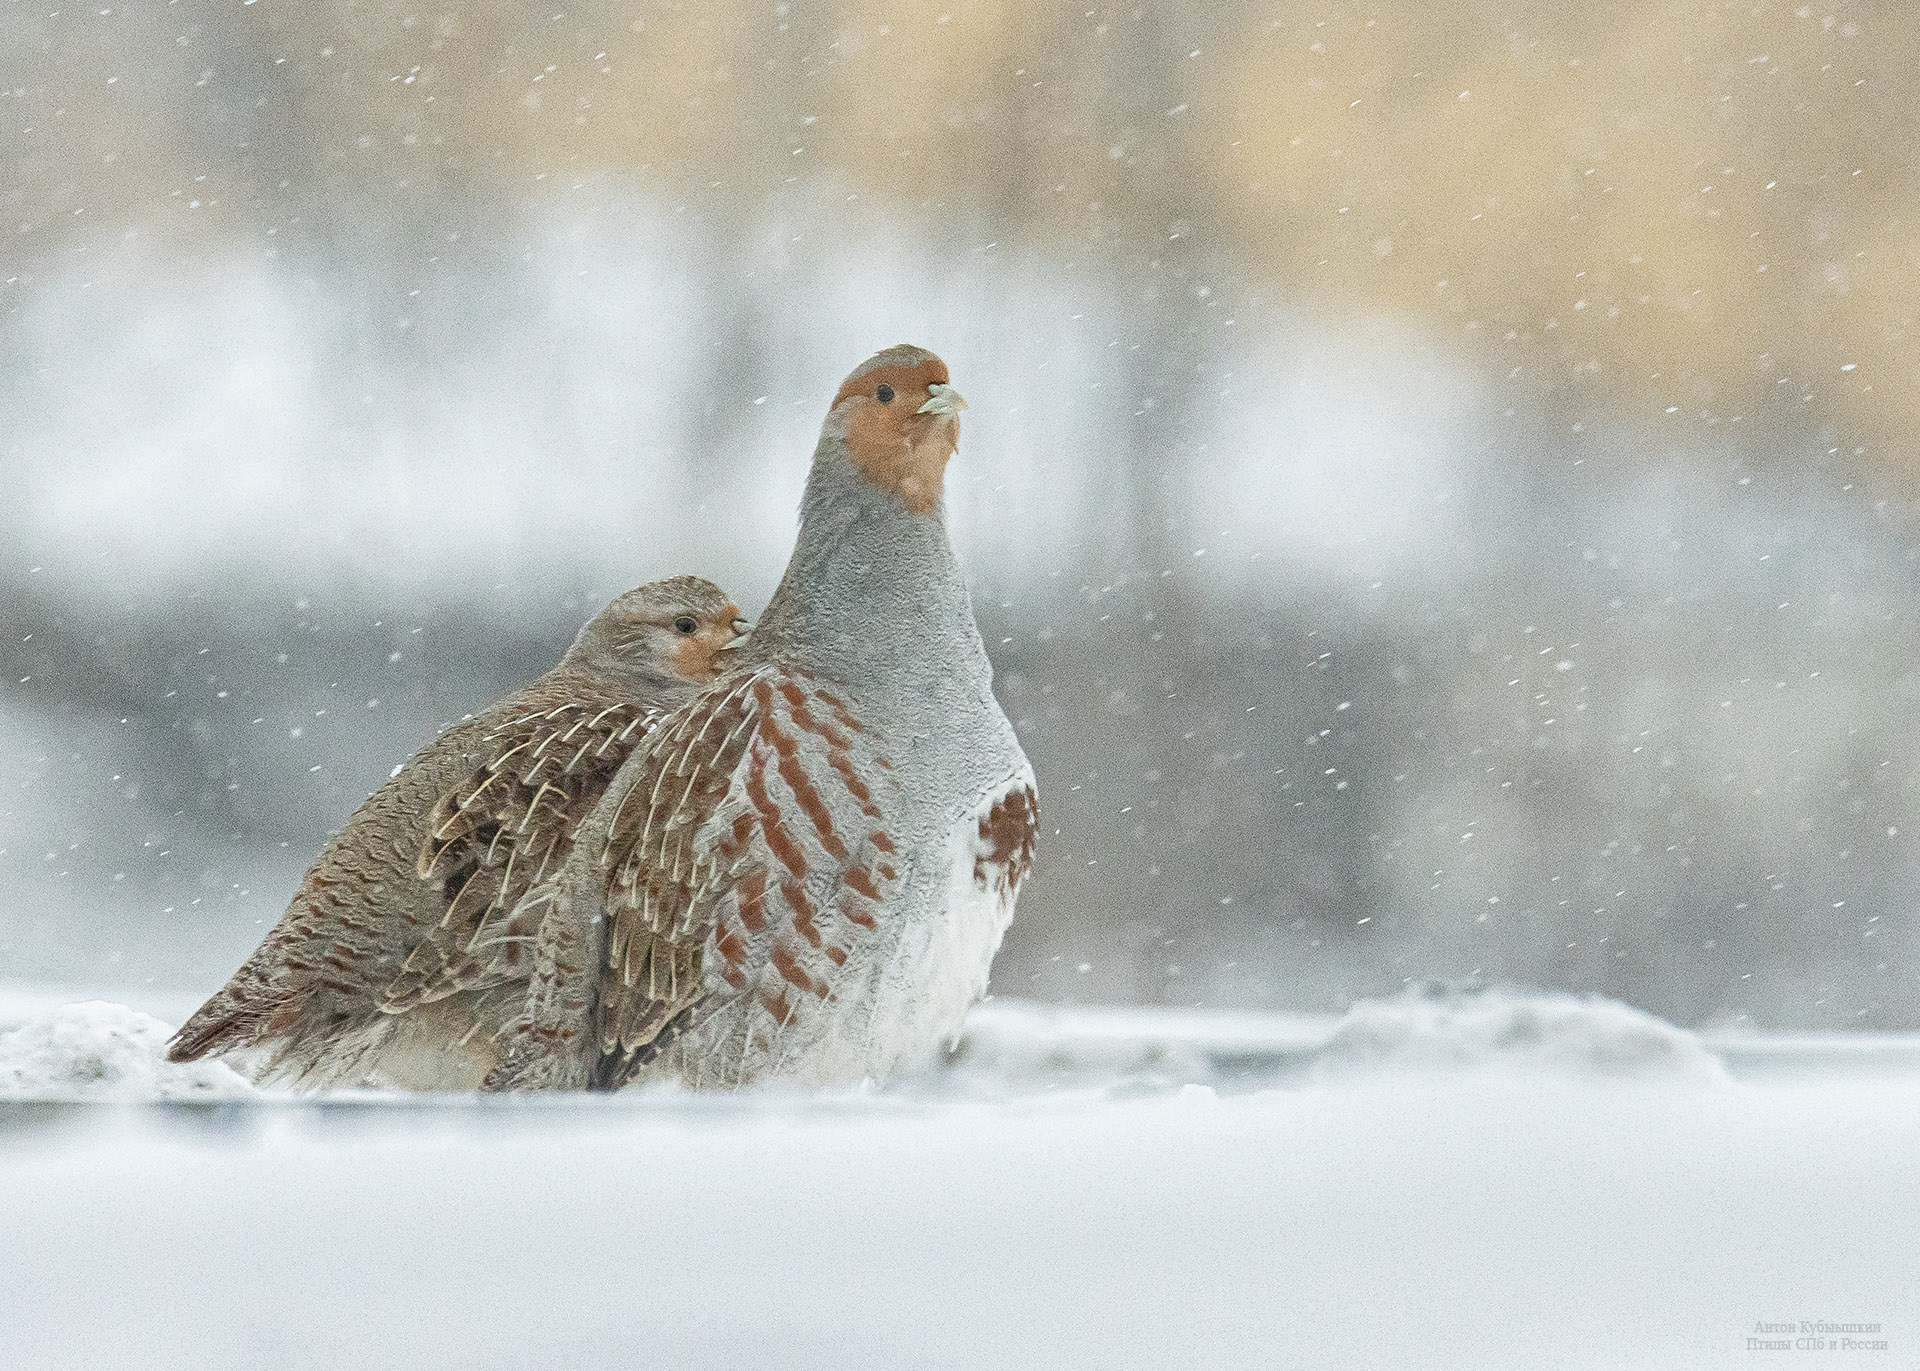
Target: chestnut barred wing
pixel 499 833
pixel 747 862
pixel 1009 830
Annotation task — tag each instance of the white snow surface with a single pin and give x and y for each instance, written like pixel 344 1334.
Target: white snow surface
pixel 107 1052
pixel 1575 1186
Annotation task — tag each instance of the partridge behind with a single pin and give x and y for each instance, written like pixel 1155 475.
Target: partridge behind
pixel 409 943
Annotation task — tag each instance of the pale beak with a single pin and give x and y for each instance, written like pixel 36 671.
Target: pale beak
pixel 942 400
pixel 741 628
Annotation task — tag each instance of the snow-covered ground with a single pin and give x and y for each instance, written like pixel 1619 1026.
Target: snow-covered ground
pixel 1480 1181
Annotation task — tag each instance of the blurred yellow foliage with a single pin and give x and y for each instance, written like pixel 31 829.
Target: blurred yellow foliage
pixel 1711 205
pixel 1663 207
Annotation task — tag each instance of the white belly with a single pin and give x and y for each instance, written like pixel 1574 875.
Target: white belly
pixel 939 968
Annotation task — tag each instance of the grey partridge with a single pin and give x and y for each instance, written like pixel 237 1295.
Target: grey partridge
pixel 803 873
pixel 409 943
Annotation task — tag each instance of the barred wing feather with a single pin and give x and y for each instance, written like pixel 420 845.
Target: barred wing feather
pixel 502 831
pixel 749 853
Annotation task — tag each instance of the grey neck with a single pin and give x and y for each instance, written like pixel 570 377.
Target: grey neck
pixel 873 598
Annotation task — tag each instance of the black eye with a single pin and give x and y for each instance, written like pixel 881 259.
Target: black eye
pixel 685 624
pixel 885 394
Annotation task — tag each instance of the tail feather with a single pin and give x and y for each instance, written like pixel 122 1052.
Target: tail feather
pixel 219 1025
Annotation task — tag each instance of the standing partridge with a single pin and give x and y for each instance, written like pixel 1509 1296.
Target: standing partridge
pixel 803 873
pixel 408 944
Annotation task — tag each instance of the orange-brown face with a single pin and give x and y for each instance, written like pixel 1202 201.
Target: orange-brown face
pixel 703 641
pixel 902 425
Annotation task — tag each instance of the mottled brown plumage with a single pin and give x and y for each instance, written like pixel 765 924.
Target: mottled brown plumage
pixel 409 942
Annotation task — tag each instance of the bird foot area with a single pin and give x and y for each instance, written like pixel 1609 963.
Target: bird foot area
pixel 101 1051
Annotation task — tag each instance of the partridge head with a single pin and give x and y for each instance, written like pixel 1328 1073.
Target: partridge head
pixel 676 630
pixel 899 417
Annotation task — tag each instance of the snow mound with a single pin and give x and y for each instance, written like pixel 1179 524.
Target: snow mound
pixel 1503 1030
pixel 101 1051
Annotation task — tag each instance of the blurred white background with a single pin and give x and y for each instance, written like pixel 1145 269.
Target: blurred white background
pixel 1438 487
